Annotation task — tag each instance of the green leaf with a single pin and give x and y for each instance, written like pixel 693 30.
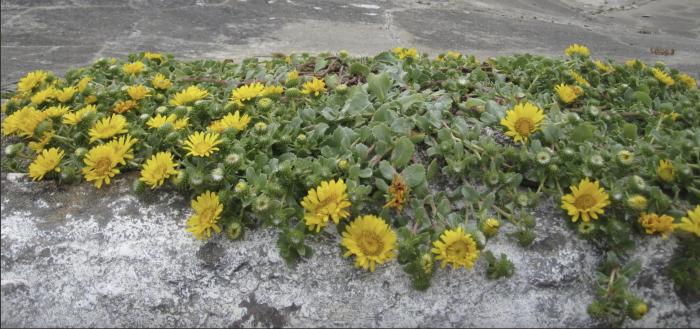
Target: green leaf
pixel 386 169
pixel 382 132
pixel 359 69
pixel 321 62
pixel 379 85
pixel 357 102
pixel 403 152
pixel 414 175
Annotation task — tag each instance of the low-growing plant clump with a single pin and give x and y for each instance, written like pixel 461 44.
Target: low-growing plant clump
pixel 415 159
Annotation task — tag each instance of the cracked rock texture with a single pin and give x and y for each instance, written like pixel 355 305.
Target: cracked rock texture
pixel 76 256
pixel 60 34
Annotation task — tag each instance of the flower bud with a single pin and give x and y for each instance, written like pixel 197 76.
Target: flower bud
pixel 343 164
pixel 638 310
pixel 234 231
pixel 341 88
pixel 543 157
pixel 597 160
pixel 262 203
pixel 292 92
pixel 625 157
pixel 264 103
pixel 490 227
pixel 196 178
pixel 241 186
pixel 79 152
pixel 637 202
pixel 427 263
pixel 232 158
pixel 639 183
pixel 217 174
pixel 260 126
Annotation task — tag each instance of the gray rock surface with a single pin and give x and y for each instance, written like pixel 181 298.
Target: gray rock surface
pixel 77 256
pixel 60 34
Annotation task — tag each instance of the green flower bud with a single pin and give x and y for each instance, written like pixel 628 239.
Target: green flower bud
pixel 69 175
pixel 341 88
pixel 264 103
pixel 638 309
pixel 178 179
pixel 260 126
pixel 343 54
pixel 262 203
pixel 159 98
pixel 553 168
pixel 180 111
pixel 139 186
pixel 343 164
pixel 543 157
pixel 292 92
pixel 427 263
pixel 241 186
pixel 637 202
pixel 492 178
pixel 490 227
pixel 161 109
pixel 586 228
pixel 639 183
pixel 234 231
pixel 597 160
pixel 232 158
pixel 14 149
pixel 196 178
pixel 42 128
pixel 625 157
pixel 79 152
pixel 217 174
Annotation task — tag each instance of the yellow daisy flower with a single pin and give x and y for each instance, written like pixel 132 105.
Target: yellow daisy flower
pixel 23 122
pixel 201 144
pixel 154 56
pixel 208 209
pixel 39 145
pixel 66 94
pixel 453 54
pixel 404 53
pixel 663 77
pixel 157 169
pixel 44 95
pixel 161 82
pixel 138 92
pixel 635 63
pixel 272 91
pixel 159 121
pixel 586 201
pixel 666 171
pixel 247 92
pixel 124 106
pixel 83 84
pixel 566 93
pixel 576 49
pixel 56 111
pixel 603 67
pixel 45 162
pixel 456 248
pixel 523 120
pixel 371 240
pixel 189 95
pixel 327 201
pixel 292 75
pixel 31 81
pixel 234 121
pixel 688 81
pixel 692 222
pixel 108 127
pixel 122 147
pixel 315 87
pixel 654 223
pixel 73 118
pixel 90 99
pixel 133 68
pixel 579 79
pixel 101 164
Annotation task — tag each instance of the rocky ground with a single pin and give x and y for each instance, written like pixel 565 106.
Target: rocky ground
pixel 76 256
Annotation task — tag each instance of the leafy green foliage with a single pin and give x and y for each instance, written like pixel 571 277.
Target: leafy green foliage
pixel 498 268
